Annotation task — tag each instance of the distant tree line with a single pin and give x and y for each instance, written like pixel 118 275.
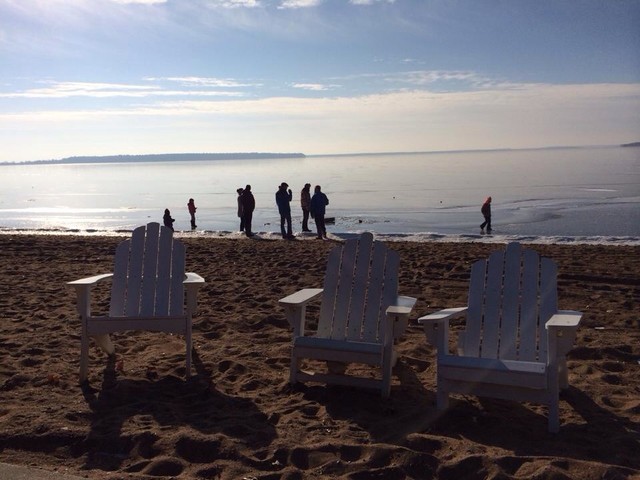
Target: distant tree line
pixel 162 157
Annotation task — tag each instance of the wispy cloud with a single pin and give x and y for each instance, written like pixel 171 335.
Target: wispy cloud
pixel 235 3
pixel 527 98
pixel 293 4
pixel 143 2
pixel 314 87
pixel 369 2
pixel 107 90
pixel 534 115
pixel 207 82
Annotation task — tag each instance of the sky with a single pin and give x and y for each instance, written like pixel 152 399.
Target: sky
pixel 112 77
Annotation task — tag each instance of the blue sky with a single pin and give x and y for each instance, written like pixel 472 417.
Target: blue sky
pixel 103 77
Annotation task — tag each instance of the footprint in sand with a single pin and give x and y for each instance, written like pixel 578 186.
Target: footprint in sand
pixel 195 450
pixel 166 467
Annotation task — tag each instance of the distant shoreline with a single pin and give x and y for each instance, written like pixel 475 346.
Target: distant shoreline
pixel 191 157
pixel 160 157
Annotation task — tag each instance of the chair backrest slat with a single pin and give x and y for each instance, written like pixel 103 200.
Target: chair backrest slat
pixel 357 292
pixel 475 308
pixel 548 300
pixel 509 311
pixel 383 290
pixel 360 282
pixel 119 280
pixel 493 294
pixel 373 295
pixel 343 295
pixel 149 270
pixel 528 349
pixel 511 297
pixel 134 278
pixel 329 292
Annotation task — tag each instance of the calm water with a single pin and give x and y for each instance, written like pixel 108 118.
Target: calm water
pixel 536 193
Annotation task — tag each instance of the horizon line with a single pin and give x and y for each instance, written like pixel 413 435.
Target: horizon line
pixel 304 155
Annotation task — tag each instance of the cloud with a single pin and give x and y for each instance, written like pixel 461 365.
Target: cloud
pixel 207 82
pixel 141 2
pixel 369 2
pixel 314 87
pixel 527 98
pixel 513 116
pixel 234 3
pixel 110 90
pixel 294 4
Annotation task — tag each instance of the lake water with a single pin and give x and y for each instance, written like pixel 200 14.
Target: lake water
pixel 552 195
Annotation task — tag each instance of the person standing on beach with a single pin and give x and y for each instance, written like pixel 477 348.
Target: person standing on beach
pixel 317 208
pixel 486 213
pixel 192 211
pixel 240 213
pixel 305 203
pixel 283 200
pixel 248 206
pixel 168 221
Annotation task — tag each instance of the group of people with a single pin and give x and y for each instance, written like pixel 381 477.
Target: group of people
pixel 314 206
pixel 311 206
pixel 168 220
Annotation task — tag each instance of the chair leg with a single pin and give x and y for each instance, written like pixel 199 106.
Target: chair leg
pixel 387 368
pixel 563 373
pixel 188 340
pixel 554 416
pixel 295 366
pixel 84 356
pixel 442 399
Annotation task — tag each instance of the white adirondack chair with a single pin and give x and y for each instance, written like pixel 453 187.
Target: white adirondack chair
pixel 147 292
pixel 360 315
pixel 515 342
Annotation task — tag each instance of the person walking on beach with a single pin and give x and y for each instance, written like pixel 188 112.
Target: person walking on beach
pixel 486 213
pixel 192 211
pixel 305 203
pixel 283 200
pixel 240 213
pixel 168 221
pixel 248 206
pixel 317 208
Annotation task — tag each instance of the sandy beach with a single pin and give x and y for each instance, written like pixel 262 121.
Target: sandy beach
pixel 238 418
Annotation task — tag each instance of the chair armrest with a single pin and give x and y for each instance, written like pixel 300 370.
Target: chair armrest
pixel 193 278
pixel 562 328
pixel 301 298
pixel 436 327
pixel 192 282
pixel 295 307
pixel 399 314
pixel 564 319
pixel 442 315
pixel 83 288
pixel 89 281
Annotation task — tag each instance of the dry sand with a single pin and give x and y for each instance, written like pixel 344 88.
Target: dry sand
pixel 238 418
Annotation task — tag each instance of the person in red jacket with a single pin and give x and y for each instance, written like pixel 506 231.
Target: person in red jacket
pixel 305 203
